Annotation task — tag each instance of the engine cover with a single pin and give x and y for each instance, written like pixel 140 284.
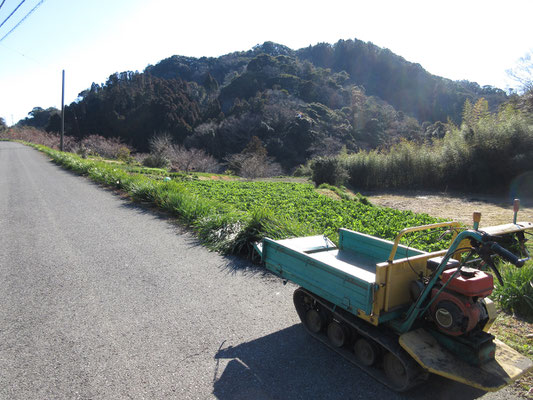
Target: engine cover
pixel 455 314
pixel 470 282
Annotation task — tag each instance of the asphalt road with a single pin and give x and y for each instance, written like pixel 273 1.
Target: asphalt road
pixel 102 299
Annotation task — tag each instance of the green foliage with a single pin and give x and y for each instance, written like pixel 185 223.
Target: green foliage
pixel 3 125
pixel 303 170
pixel 134 105
pixel 124 154
pixel 41 119
pixel 319 213
pixel 328 170
pixel 486 153
pixel 156 161
pixel 516 295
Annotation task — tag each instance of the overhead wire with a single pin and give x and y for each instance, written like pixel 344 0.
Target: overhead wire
pixel 23 19
pixel 2 3
pixel 20 54
pixel 12 12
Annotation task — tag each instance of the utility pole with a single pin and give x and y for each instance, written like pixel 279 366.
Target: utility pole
pixel 62 112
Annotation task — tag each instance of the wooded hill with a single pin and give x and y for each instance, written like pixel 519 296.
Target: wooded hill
pixel 300 103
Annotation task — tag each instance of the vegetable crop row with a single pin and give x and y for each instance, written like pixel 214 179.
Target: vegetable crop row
pixel 230 215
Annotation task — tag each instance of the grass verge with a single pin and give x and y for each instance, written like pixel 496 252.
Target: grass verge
pixel 220 226
pixel 518 334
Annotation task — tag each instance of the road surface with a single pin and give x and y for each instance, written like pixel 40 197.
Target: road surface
pixel 102 299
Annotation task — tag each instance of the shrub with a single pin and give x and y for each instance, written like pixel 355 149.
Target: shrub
pixel 251 166
pixel 104 147
pixel 328 170
pixel 485 153
pixel 516 295
pixel 164 153
pixel 303 170
pixel 253 162
pixel 182 159
pixel 90 145
pixel 32 135
pixel 124 154
pixel 155 160
pixel 160 143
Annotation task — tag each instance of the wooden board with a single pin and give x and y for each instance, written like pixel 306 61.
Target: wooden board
pixel 507 228
pixel 508 366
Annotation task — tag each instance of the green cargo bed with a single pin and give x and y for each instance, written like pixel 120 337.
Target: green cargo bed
pixel 344 275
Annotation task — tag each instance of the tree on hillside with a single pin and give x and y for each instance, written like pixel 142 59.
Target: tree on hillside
pixel 133 106
pixel 404 85
pixel 472 113
pixel 522 73
pixel 165 153
pixel 39 117
pixel 253 162
pixel 3 125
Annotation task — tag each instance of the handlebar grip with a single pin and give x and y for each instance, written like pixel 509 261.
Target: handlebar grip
pixel 507 255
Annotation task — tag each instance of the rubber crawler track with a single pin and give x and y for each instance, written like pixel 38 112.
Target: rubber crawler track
pixel 387 340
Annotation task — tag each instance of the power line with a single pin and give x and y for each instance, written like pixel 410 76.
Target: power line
pixel 13 12
pixel 21 54
pixel 23 19
pixel 2 3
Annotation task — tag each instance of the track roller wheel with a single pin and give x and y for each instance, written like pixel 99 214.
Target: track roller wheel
pixel 337 334
pixel 395 371
pixel 366 351
pixel 314 320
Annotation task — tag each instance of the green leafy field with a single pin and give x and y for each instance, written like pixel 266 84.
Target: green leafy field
pixel 230 215
pixel 317 212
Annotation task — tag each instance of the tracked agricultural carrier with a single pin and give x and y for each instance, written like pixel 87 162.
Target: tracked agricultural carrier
pixel 400 313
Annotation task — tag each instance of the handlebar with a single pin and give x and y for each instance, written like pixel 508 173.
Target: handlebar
pixel 507 255
pixel 491 242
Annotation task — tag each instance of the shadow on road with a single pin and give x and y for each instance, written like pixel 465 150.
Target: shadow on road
pixel 234 264
pixel 289 364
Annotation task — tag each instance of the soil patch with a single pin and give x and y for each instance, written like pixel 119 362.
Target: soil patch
pixel 455 207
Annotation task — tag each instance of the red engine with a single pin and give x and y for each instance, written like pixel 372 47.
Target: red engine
pixel 458 309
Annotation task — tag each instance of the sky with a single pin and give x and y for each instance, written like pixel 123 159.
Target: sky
pixel 92 39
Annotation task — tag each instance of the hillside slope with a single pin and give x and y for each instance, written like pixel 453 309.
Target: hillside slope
pixel 303 103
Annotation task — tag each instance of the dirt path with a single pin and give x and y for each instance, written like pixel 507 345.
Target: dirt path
pixel 455 207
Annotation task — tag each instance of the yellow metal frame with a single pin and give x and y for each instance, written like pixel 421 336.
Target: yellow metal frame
pixel 397 277
pixel 491 310
pixel 393 276
pixel 450 224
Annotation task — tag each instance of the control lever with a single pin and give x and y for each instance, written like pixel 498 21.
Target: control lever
pixel 485 256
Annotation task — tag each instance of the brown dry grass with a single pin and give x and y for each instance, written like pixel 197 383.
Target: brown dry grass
pixel 494 210
pixel 329 193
